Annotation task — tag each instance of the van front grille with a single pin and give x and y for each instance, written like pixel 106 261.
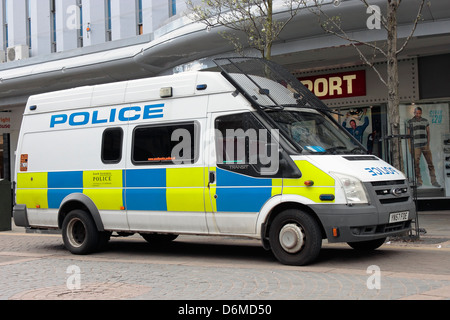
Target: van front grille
pixel 390 192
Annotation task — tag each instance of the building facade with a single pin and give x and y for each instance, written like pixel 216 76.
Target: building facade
pixel 48 45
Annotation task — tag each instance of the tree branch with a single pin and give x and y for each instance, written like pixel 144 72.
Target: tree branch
pixel 416 21
pixel 343 35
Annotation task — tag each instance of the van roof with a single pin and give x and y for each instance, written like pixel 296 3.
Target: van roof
pixel 131 91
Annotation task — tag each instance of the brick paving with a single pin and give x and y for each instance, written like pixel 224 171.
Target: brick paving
pixel 46 279
pixel 37 267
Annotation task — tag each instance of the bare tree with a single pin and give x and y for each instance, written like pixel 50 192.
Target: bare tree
pixel 253 19
pixel 390 53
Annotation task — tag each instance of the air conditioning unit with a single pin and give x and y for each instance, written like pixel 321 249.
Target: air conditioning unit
pixel 17 53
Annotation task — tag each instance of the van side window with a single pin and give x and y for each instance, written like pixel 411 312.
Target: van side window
pixel 165 144
pixel 112 145
pixel 244 145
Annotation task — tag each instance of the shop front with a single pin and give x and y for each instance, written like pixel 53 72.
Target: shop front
pixel 359 99
pixel 10 120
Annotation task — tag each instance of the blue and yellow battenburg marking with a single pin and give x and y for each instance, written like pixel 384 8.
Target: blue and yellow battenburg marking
pixel 168 189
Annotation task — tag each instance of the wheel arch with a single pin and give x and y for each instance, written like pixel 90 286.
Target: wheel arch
pixel 277 209
pixel 80 201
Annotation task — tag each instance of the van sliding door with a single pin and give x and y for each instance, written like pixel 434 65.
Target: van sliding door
pixel 165 178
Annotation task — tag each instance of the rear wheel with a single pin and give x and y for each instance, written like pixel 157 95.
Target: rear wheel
pixel 80 234
pixel 295 237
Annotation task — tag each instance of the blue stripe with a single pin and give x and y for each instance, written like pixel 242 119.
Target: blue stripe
pixel 231 179
pixel 242 199
pixel 145 178
pixel 146 199
pixel 56 196
pixel 69 179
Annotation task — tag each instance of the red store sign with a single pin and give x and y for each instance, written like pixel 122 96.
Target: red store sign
pixel 337 85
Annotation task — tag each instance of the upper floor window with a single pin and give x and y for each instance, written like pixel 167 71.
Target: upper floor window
pixel 140 24
pixel 172 7
pixel 108 20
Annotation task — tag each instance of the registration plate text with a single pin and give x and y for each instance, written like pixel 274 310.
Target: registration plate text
pixel 398 216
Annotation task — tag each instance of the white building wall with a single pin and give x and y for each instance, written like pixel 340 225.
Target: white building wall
pixel 123 19
pixel 94 16
pixel 124 22
pixel 2 28
pixel 67 24
pixel 155 13
pixel 41 43
pixel 17 22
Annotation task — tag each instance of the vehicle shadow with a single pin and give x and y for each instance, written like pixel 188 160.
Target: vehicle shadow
pixel 216 250
pixel 220 250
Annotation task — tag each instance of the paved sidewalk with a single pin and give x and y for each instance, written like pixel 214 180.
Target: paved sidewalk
pixel 199 268
pixel 434 230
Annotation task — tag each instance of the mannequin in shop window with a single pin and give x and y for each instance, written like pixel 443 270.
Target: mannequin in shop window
pixel 419 128
pixel 355 130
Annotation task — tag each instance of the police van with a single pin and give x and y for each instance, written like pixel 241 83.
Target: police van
pixel 244 150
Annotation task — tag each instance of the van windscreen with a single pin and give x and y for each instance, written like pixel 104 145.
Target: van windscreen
pixel 315 133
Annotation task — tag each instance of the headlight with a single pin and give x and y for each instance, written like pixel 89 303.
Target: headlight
pixel 353 189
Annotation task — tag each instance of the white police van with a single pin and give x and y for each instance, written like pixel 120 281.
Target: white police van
pixel 246 151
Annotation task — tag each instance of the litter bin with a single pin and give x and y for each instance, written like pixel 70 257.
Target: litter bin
pixel 5 205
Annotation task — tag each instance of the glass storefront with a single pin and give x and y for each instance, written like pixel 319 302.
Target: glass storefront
pixel 428 150
pixel 366 125
pixel 359 100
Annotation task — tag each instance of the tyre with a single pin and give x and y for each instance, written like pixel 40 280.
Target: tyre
pixel 367 245
pixel 295 237
pixel 103 240
pixel 80 234
pixel 158 237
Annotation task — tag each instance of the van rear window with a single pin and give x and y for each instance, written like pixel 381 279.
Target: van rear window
pixel 165 144
pixel 112 145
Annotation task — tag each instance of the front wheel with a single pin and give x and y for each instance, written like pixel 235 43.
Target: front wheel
pixel 295 237
pixel 80 234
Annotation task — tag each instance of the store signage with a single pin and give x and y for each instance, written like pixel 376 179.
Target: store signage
pixel 337 85
pixel 5 122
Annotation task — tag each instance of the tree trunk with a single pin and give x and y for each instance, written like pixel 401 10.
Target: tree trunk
pixel 269 29
pixel 392 84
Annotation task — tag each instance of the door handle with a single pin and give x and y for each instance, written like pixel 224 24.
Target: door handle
pixel 212 177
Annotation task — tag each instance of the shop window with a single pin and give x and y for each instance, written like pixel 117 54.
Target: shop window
pixel 112 145
pixel 165 144
pixel 428 150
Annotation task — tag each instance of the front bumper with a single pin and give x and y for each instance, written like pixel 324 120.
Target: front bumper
pixel 343 223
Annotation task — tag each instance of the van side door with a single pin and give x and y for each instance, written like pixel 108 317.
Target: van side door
pixel 242 172
pixel 165 178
